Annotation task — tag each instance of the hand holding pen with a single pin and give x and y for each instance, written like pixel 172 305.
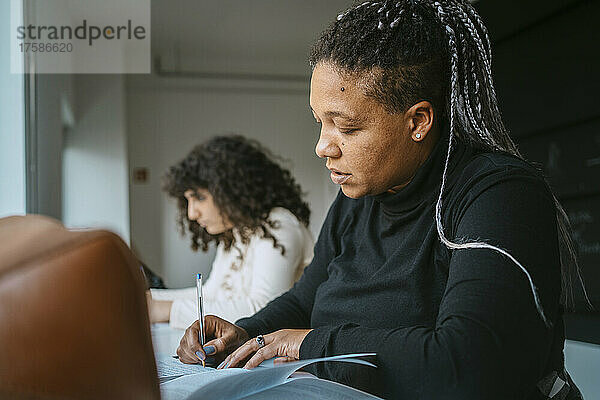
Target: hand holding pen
pixel 224 337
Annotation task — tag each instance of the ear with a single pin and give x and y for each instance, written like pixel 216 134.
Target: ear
pixel 420 117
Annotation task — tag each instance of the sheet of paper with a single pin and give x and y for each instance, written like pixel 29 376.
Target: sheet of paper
pixel 181 388
pixel 311 388
pixel 165 339
pixel 259 379
pixel 169 367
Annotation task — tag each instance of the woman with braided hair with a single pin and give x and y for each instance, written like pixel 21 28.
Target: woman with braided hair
pixel 445 252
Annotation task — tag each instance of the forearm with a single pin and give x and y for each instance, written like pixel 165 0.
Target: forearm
pixel 459 360
pixel 173 294
pixel 158 310
pixel 232 309
pixel 286 311
pixel 184 312
pixel 487 341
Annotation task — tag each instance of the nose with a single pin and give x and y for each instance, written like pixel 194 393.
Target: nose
pixel 192 211
pixel 327 146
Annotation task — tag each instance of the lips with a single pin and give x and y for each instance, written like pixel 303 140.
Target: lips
pixel 338 177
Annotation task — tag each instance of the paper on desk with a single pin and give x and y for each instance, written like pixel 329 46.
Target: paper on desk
pixel 239 383
pixel 169 368
pixel 182 388
pixel 311 388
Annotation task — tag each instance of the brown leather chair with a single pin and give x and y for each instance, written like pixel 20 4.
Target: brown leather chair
pixel 73 320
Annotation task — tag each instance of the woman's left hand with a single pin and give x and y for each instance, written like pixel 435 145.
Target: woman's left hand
pixel 284 343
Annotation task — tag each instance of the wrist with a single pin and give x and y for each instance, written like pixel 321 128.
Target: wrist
pixel 302 333
pixel 312 345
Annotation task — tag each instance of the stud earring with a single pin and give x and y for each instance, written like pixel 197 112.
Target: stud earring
pixel 418 136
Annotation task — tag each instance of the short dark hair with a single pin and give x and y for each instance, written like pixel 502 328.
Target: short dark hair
pixel 403 51
pixel 245 182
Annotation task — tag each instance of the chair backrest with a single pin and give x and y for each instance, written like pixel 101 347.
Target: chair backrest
pixel 73 320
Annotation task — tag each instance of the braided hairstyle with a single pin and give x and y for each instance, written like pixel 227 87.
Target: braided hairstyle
pixel 246 183
pixel 439 51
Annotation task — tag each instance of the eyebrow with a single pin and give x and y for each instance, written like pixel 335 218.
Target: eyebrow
pixel 339 114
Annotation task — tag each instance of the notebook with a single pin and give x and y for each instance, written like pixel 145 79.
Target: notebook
pixel 268 381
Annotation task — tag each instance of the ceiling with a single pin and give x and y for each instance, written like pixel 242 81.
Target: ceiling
pixel 239 35
pixel 274 36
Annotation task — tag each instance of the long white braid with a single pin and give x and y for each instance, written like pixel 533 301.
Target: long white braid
pixel 473 22
pixel 454 94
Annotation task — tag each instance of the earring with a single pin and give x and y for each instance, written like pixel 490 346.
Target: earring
pixel 418 135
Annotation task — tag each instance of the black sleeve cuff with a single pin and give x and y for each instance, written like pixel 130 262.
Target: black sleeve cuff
pixel 251 325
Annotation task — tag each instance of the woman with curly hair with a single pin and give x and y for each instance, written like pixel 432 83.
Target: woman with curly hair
pixel 231 192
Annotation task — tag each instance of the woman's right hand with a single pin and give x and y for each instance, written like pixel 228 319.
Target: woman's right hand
pixel 224 337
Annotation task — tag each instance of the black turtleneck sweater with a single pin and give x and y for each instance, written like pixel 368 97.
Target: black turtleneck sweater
pixel 445 324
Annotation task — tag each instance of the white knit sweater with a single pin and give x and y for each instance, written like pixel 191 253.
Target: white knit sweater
pixel 246 277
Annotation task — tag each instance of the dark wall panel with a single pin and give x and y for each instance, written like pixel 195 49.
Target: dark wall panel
pixel 570 158
pixel 548 76
pixel 584 214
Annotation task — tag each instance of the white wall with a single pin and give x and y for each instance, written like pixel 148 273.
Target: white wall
pixel 167 117
pixel 94 167
pixel 12 128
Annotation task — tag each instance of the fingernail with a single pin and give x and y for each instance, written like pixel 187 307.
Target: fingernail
pixel 221 365
pixel 209 349
pixel 200 355
pixel 227 366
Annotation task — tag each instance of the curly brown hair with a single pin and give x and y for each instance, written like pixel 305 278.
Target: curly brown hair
pixel 246 183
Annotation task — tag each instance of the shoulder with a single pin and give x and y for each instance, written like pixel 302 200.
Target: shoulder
pixel 496 180
pixel 288 238
pixel 490 161
pixel 284 216
pixel 484 170
pixel 286 227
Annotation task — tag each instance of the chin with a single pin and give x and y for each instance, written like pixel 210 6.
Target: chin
pixel 354 192
pixel 214 231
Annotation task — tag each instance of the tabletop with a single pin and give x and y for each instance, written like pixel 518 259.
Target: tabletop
pixel 165 339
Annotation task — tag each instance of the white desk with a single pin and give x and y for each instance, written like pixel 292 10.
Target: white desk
pixel 165 339
pixel 582 360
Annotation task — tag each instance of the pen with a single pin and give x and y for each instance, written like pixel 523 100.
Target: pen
pixel 146 281
pixel 200 312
